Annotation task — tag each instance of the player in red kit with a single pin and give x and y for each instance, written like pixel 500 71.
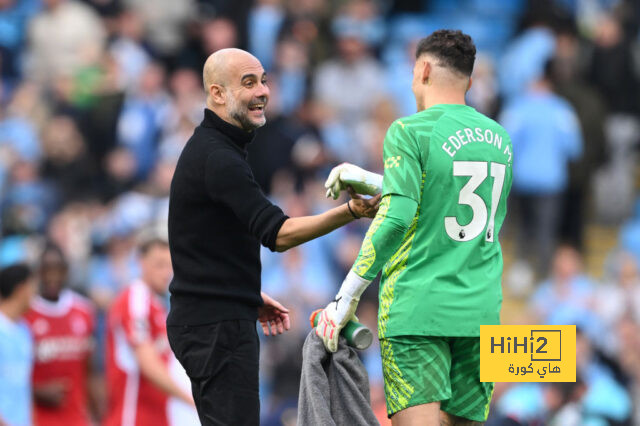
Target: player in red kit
pixel 138 352
pixel 62 324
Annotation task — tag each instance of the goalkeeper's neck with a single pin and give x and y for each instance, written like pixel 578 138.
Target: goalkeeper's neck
pixel 436 97
pixel 435 84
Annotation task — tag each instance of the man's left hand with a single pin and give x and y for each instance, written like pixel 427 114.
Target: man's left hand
pixel 273 317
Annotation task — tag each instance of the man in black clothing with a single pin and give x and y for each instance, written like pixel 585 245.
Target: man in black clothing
pixel 218 217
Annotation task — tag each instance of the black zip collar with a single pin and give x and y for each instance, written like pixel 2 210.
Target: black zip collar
pixel 236 134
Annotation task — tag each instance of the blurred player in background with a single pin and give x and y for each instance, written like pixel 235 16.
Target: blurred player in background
pixel 179 412
pixel 17 288
pixel 435 238
pixel 138 353
pixel 62 323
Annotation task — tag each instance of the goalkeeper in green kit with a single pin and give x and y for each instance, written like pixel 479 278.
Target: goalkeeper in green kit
pixel 447 175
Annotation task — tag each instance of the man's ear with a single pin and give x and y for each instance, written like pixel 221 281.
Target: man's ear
pixel 218 94
pixel 470 83
pixel 426 72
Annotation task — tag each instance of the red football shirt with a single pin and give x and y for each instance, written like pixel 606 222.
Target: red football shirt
pixel 63 342
pixel 137 315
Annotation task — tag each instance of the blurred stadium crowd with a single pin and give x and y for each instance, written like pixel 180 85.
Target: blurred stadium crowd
pixel 98 97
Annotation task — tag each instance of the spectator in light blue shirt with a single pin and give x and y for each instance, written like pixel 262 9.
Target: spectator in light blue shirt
pixel 524 59
pixel 265 20
pixel 17 287
pixel 546 137
pixel 143 118
pixel 20 136
pixel 14 18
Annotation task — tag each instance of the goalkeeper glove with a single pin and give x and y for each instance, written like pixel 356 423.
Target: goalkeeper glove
pixel 339 312
pixel 362 181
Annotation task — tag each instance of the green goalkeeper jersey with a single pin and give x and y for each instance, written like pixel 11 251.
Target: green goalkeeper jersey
pixel 445 279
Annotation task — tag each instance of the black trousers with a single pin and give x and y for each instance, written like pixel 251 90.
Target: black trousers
pixel 221 359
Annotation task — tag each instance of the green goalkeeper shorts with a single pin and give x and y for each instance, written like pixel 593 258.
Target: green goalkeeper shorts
pixel 423 369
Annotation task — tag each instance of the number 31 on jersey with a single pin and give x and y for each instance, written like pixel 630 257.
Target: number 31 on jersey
pixel 478 172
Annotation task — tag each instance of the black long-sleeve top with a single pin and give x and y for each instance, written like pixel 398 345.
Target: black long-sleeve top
pixel 218 217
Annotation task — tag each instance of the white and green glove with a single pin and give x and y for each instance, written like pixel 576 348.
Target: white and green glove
pixel 342 310
pixel 346 174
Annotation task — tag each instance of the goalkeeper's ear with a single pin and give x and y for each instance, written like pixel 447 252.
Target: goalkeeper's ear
pixel 426 71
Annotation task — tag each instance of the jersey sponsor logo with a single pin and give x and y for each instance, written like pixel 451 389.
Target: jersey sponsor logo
pixel 62 348
pixel 392 162
pixel 528 353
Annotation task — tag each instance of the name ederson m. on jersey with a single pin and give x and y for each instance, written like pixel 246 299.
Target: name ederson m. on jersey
pixel 445 279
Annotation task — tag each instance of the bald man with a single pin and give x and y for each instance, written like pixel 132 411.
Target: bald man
pixel 218 217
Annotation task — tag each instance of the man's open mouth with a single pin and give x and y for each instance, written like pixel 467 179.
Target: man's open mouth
pixel 256 107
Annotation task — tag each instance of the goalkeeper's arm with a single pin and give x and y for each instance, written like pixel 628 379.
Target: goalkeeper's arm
pixel 383 239
pixel 385 235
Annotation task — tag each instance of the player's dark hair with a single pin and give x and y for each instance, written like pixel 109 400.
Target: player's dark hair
pixel 12 277
pixel 51 248
pixel 148 244
pixel 454 50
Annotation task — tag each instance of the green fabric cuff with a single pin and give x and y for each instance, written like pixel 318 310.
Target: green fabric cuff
pixel 385 234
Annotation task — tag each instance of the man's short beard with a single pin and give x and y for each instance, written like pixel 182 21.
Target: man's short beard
pixel 240 114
